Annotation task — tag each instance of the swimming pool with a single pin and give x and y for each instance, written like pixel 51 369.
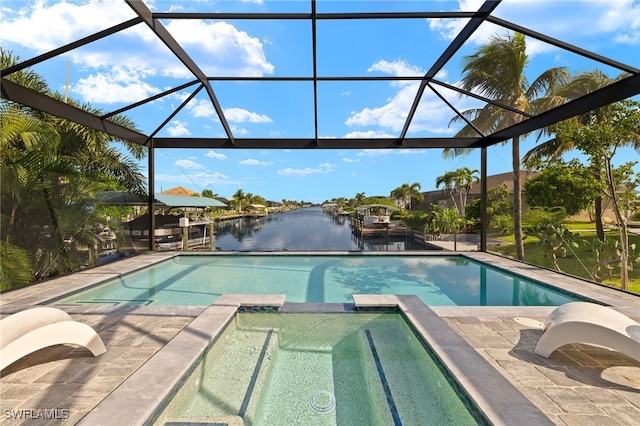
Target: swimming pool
pixel 319 369
pixel 198 280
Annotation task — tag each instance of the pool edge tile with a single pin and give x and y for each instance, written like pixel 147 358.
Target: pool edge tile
pixel 500 401
pixel 238 300
pixel 152 382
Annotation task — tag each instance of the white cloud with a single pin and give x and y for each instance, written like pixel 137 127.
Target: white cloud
pixel 178 128
pixel 324 168
pixel 202 179
pixel 219 48
pixel 238 130
pixel 369 133
pixel 397 68
pixel 618 19
pixel 222 49
pixel 410 151
pixel 374 152
pixel 42 26
pixel 216 155
pixel 120 84
pixel 189 164
pixel 432 114
pixel 202 108
pixel 327 166
pixel 239 115
pixel 254 162
pixel 350 160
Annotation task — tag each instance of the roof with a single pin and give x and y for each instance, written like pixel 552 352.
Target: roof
pixel 365 207
pixel 187 201
pixel 121 198
pixel 151 24
pixel 179 190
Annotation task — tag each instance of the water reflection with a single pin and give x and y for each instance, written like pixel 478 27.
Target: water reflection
pixel 470 283
pixel 308 229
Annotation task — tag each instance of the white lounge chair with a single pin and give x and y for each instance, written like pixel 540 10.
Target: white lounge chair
pixel 592 324
pixel 33 329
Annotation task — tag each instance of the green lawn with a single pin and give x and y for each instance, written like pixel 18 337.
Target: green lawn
pixel 578 263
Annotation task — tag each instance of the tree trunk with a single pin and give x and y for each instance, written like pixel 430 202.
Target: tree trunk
pixel 598 217
pixel 622 229
pixel 517 199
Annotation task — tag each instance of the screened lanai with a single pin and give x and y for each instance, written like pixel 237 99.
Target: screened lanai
pixel 319 81
pixel 186 85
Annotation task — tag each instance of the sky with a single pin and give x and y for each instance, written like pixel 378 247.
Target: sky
pixel 120 69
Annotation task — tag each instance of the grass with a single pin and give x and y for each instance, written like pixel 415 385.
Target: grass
pixel 581 226
pixel 578 262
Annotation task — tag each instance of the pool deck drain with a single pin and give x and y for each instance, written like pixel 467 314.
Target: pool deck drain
pixel 576 385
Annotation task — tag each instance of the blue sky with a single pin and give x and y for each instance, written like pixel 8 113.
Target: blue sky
pixel 117 71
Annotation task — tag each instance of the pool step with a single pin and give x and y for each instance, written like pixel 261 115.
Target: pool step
pixel 415 389
pixel 227 379
pixel 298 390
pixel 206 421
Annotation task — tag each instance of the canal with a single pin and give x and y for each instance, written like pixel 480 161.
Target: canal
pixel 307 229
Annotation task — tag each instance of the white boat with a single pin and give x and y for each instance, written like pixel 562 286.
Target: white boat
pixel 375 215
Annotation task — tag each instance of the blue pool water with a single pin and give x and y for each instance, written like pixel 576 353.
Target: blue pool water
pixel 198 280
pixel 318 369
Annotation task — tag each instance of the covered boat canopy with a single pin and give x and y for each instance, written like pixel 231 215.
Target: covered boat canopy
pixel 363 209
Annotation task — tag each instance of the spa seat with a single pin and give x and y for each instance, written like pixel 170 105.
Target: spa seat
pixel 592 324
pixel 33 329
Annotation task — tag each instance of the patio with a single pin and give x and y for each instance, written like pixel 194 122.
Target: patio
pixel 576 385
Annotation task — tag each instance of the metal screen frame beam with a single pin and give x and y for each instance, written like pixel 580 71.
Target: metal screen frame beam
pixel 615 92
pixel 41 102
pixel 161 32
pixel 468 30
pixel 309 143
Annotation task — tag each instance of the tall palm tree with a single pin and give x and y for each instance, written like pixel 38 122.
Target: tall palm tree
pixel 555 148
pixel 497 71
pixel 239 196
pixel 458 182
pixel 406 193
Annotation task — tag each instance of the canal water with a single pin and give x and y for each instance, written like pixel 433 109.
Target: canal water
pixel 307 229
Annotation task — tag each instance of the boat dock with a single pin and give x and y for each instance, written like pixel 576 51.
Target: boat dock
pixel 379 230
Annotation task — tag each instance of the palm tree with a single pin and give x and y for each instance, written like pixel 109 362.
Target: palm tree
pixel 239 197
pixel 50 170
pixel 555 148
pixel 406 193
pixel 496 71
pixel 458 182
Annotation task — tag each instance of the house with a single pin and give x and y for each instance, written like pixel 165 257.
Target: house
pixel 442 196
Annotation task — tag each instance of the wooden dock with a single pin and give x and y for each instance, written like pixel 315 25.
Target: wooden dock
pixel 381 230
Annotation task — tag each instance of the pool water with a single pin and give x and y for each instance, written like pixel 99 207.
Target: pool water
pixel 318 369
pixel 198 280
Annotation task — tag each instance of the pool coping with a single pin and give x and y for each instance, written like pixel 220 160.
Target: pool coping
pixel 504 404
pixel 137 399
